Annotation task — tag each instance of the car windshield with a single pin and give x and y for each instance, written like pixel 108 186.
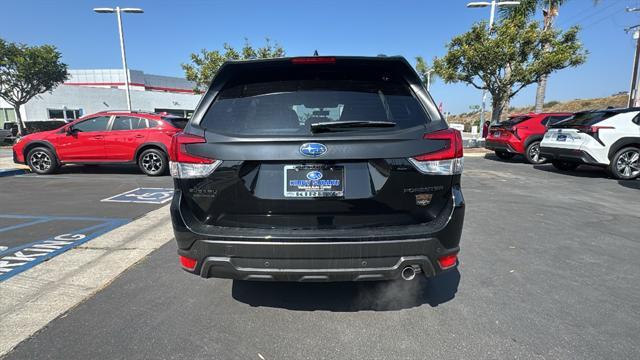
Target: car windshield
pixel 290 106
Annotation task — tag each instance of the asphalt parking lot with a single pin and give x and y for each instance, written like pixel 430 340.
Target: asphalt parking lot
pixel 43 216
pixel 549 269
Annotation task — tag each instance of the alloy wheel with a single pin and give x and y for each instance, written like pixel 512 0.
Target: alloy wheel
pixel 628 163
pixel 152 162
pixel 40 160
pixel 534 154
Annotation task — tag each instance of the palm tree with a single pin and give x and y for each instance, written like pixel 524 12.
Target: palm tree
pixel 550 10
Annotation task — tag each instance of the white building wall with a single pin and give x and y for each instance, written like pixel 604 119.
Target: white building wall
pixel 91 100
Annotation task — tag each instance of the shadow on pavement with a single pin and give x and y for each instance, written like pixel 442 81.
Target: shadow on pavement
pixel 347 296
pixel 100 169
pixel 518 159
pixel 631 184
pixel 584 171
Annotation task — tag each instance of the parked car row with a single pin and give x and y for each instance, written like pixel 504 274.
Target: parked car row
pixel 609 138
pixel 112 137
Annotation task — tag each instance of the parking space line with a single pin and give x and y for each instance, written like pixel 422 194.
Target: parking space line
pixel 25 224
pixel 14 261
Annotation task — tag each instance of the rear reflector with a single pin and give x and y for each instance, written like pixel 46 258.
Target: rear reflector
pixel 448 261
pixel 314 60
pixel 446 161
pixel 188 263
pixel 188 166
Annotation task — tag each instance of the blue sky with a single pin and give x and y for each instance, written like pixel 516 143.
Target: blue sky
pixel 162 38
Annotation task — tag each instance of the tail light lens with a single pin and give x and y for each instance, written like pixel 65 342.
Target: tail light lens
pixel 446 161
pixel 188 263
pixel 188 166
pixel 448 261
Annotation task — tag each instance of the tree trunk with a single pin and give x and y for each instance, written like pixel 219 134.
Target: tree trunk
pixel 540 93
pixel 21 128
pixel 497 106
pixel 541 90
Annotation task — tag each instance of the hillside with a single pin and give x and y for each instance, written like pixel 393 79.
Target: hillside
pixel 619 100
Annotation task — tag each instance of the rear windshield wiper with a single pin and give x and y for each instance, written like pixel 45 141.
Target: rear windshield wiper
pixel 331 125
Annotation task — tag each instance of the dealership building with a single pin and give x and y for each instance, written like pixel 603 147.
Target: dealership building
pixel 90 91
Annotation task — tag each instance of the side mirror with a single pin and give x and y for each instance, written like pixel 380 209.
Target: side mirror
pixel 70 130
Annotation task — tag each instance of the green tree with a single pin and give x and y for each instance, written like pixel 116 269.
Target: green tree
pixel 550 10
pixel 26 71
pixel 205 64
pixel 508 58
pixel 425 71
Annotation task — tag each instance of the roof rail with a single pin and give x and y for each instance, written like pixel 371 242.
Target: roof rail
pixel 129 111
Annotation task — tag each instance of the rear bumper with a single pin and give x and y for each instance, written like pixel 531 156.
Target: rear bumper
pixel 308 259
pixel 501 146
pixel 570 155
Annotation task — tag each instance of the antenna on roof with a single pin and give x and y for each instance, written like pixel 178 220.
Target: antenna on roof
pixel 315 53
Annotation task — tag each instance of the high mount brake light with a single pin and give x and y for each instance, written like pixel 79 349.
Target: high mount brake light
pixel 446 161
pixel 184 165
pixel 314 60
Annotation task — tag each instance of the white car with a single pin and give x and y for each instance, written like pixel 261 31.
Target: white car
pixel 609 138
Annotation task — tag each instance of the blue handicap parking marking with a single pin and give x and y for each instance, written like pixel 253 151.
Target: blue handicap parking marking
pixel 143 195
pixel 25 256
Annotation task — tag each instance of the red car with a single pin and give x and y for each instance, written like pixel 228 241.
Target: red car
pixel 521 135
pixel 104 138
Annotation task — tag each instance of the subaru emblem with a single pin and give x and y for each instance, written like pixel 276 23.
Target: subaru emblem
pixel 313 149
pixel 314 175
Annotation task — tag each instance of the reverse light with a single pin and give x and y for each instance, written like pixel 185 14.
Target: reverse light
pixel 448 261
pixel 183 165
pixel 188 263
pixel 446 161
pixel 314 60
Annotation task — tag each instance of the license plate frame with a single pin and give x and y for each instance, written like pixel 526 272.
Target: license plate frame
pixel 307 186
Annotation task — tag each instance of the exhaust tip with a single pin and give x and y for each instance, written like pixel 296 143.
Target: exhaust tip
pixel 408 273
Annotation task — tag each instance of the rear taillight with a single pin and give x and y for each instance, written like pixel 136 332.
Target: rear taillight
pixel 596 129
pixel 448 261
pixel 184 165
pixel 188 263
pixel 446 161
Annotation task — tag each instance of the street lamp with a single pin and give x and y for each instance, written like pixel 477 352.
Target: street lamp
pixel 493 4
pixel 429 79
pixel 119 10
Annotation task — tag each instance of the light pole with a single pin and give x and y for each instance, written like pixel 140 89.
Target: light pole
pixel 493 4
pixel 633 98
pixel 429 79
pixel 118 10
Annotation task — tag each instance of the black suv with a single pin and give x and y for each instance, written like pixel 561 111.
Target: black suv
pixel 317 169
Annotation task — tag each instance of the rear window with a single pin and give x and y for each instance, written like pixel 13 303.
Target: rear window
pixel 586 119
pixel 514 120
pixel 287 104
pixel 176 122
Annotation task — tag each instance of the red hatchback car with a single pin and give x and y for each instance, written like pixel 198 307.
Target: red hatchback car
pixel 521 135
pixel 103 138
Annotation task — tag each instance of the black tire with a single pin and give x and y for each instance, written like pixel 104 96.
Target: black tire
pixel 504 155
pixel 42 161
pixel 153 162
pixel 565 165
pixel 625 164
pixel 532 154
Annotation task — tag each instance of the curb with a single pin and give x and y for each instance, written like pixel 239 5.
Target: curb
pixel 12 172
